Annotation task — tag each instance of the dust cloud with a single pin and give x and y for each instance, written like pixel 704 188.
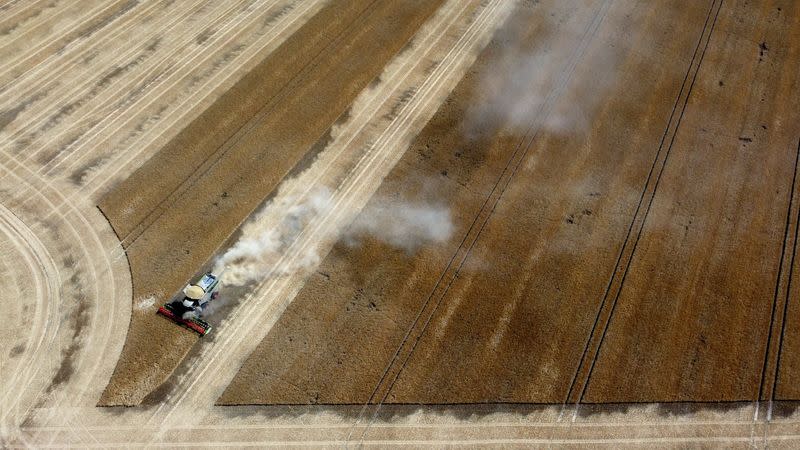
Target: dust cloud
pixel 268 235
pixel 402 224
pixel 266 238
pixel 518 92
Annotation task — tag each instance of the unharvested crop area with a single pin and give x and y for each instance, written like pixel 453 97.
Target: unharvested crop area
pixel 545 222
pixel 620 225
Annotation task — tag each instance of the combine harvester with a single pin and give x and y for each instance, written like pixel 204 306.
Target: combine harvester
pixel 187 308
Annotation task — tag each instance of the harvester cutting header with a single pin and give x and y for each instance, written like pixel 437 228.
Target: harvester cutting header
pixel 187 307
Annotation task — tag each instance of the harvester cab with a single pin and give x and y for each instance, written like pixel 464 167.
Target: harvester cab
pixel 187 308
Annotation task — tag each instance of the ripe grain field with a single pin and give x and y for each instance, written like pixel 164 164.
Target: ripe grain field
pixel 484 222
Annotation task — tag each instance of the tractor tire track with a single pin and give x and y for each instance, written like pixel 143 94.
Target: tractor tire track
pixel 783 285
pixel 100 17
pixel 49 364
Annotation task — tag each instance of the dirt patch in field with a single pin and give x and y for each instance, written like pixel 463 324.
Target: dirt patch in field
pixel 177 210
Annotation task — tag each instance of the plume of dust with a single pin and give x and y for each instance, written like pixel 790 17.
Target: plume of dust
pixel 266 237
pixel 514 88
pixel 402 224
